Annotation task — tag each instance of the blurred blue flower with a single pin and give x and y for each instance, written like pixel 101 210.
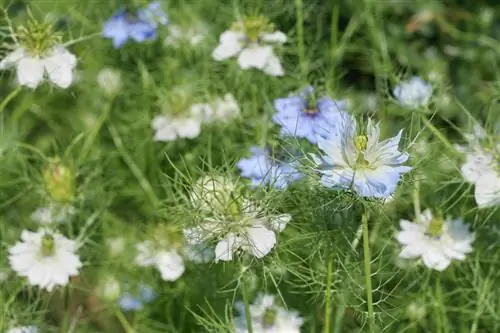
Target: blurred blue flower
pixel 304 117
pixel 139 27
pixel 261 170
pixel 360 161
pixel 136 301
pixel 413 93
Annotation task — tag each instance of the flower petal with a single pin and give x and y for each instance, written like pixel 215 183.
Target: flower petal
pixel 30 72
pixel 255 56
pixel 230 44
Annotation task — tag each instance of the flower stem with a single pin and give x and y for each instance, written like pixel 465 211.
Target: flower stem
pixel 248 315
pixel 9 97
pixel 300 37
pixel 328 301
pixel 123 321
pixel 368 281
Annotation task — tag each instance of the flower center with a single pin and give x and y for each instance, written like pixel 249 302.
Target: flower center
pixel 48 245
pixel 311 107
pixel 269 317
pixel 178 103
pixel 253 27
pixel 361 143
pixel 38 37
pixel 435 228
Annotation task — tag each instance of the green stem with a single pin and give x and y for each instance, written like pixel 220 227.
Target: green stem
pixel 300 36
pixel 438 134
pixel 9 97
pixel 89 142
pixel 416 198
pixel 368 278
pixel 248 315
pixel 328 301
pixel 123 321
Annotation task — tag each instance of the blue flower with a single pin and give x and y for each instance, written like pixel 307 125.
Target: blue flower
pixel 301 118
pixel 261 170
pixel 413 93
pixel 135 302
pixel 139 27
pixel 360 162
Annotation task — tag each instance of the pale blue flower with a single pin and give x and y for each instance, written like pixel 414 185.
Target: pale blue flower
pixel 136 301
pixel 360 162
pixel 261 170
pixel 413 93
pixel 139 27
pixel 299 116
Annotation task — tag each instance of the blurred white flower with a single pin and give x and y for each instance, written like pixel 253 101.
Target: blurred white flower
pixel 416 311
pixel 193 35
pixel 482 166
pixel 168 262
pixel 220 110
pixel 46 258
pixel 109 289
pixel 252 40
pixel 168 128
pixel 109 81
pixel 53 213
pixel 436 241
pixel 57 64
pixel 245 228
pixel 268 317
pixel 116 246
pixel 24 329
pixel 413 93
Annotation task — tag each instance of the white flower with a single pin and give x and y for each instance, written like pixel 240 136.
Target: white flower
pixel 52 213
pixel 268 317
pixel 487 192
pixel 109 81
pixel 57 64
pixel 170 128
pixel 360 162
pixel 193 35
pixel 109 289
pixel 45 257
pixel 248 230
pixel 253 50
pixel 413 93
pixel 116 246
pixel 221 109
pixel 24 329
pixel 168 262
pixel 436 241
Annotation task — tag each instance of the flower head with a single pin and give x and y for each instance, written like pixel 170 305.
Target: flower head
pixel 268 317
pixel 192 35
pixel 436 241
pixel 24 329
pixel 303 116
pixel 252 40
pixel 46 258
pixel 413 93
pixel 167 260
pixel 139 26
pixel 261 170
pixel 360 162
pixel 109 80
pixel 135 301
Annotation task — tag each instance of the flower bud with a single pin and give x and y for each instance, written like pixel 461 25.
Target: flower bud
pixel 109 80
pixel 59 181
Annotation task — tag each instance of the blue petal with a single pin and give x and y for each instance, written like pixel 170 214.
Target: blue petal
pixel 129 303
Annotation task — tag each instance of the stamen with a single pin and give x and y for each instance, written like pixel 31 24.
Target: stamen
pixel 48 245
pixel 269 317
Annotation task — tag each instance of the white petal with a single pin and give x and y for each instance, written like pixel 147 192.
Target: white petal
pixel 12 58
pixel 273 66
pixel 261 240
pixel 280 222
pixel 170 265
pixel 275 37
pixel 255 56
pixel 188 128
pixel 487 193
pixel 435 260
pixel 30 72
pixel 230 44
pixel 59 66
pixel 225 248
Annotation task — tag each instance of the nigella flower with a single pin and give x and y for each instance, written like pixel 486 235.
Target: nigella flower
pixel 136 301
pixel 252 40
pixel 267 316
pixel 360 162
pixel 413 93
pixel 193 35
pixel 435 240
pixel 304 117
pixel 167 261
pixel 482 166
pixel 139 26
pixel 261 170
